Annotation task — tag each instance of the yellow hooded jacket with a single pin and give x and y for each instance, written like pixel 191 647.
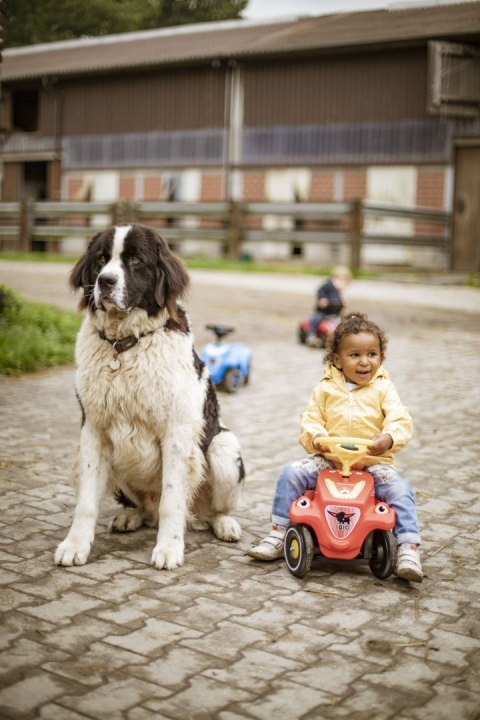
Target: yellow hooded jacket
pixel 361 412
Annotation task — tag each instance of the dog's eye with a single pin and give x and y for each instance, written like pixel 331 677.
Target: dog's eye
pixel 134 260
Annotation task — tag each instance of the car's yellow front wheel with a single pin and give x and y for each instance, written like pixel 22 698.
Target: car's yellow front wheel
pixel 298 549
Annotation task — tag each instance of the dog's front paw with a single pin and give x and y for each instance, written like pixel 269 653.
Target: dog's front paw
pixel 195 523
pixel 226 528
pixel 72 553
pixel 126 521
pixel 168 555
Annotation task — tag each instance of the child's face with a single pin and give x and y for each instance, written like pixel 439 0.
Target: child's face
pixel 341 283
pixel 359 357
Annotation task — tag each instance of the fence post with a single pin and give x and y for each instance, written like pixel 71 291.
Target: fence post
pixel 122 212
pixel 356 234
pixel 114 213
pixel 234 231
pixel 27 212
pixel 129 212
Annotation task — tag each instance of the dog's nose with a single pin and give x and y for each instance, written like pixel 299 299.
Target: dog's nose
pixel 106 280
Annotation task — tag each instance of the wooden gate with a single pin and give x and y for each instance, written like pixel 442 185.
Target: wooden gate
pixel 466 207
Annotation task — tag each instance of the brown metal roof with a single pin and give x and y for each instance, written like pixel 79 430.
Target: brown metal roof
pixel 243 39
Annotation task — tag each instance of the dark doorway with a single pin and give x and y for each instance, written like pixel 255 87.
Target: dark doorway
pixel 35 186
pixel 34 181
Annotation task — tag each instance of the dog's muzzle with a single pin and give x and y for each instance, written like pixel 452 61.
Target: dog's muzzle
pixel 108 290
pixel 106 282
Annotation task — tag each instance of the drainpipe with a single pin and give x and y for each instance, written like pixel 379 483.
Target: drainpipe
pixel 233 126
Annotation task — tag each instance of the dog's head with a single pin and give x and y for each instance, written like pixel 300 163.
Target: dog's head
pixel 129 266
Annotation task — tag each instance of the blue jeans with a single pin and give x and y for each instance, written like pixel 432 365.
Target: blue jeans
pixel 314 321
pixel 301 475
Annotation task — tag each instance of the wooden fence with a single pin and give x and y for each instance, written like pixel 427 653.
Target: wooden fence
pixel 28 225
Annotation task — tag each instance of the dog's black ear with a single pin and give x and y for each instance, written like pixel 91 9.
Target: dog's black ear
pixel 173 280
pixel 80 276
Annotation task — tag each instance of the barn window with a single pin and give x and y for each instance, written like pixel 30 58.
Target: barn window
pixel 454 79
pixel 25 110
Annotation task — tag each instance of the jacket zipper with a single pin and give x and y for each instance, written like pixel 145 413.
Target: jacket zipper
pixel 350 411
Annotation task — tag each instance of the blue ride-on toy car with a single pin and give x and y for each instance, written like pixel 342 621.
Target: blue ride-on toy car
pixel 228 362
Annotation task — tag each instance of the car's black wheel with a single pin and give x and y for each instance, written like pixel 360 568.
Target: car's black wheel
pixel 232 380
pixel 298 549
pixel 302 336
pixel 384 554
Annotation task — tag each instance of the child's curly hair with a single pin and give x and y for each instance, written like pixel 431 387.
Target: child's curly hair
pixel 351 324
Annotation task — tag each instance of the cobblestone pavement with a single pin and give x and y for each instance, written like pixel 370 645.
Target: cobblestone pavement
pixel 226 637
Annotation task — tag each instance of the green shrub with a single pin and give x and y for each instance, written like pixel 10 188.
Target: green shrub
pixel 34 336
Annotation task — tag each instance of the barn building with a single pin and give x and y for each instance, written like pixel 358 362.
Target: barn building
pixel 383 105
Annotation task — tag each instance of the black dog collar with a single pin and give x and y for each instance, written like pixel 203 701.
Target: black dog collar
pixel 124 343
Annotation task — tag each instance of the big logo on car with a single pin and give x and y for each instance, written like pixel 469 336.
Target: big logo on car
pixel 341 519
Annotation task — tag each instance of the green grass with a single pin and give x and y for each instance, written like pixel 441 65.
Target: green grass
pixel 34 336
pixel 292 268
pixel 203 262
pixel 474 280
pixel 299 267
pixel 38 257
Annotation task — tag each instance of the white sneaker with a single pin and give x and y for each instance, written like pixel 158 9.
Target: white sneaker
pixel 312 340
pixel 409 566
pixel 270 548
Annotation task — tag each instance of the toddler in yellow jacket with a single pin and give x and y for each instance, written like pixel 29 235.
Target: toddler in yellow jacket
pixel 354 398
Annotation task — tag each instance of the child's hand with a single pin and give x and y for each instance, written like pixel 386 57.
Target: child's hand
pixel 317 442
pixel 380 443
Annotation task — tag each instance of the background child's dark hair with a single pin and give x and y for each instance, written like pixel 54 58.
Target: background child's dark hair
pixel 352 324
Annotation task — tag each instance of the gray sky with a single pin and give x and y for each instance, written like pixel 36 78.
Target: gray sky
pixel 260 9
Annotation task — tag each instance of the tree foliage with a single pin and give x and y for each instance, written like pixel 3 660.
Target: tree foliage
pixel 29 22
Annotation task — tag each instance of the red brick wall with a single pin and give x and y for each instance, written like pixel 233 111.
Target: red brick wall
pixel 254 187
pixel 127 188
pixel 152 188
pixel 430 187
pixel 430 193
pixel 321 186
pixel 212 187
pixel 354 184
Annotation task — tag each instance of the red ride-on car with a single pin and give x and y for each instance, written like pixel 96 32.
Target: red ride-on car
pixel 325 328
pixel 342 519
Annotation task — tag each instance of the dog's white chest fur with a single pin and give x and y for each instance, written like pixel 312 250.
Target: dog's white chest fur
pixel 134 405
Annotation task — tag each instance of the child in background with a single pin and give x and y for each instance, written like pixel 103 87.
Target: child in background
pixel 329 300
pixel 354 398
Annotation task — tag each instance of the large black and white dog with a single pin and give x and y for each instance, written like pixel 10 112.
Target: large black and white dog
pixel 151 432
